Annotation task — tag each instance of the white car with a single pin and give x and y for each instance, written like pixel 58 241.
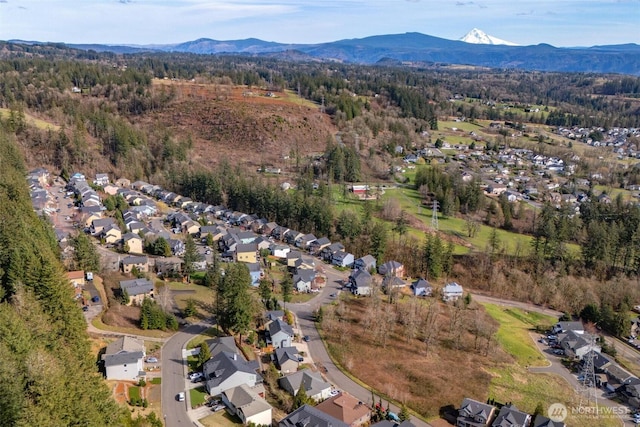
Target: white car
pixel 152 360
pixel 180 396
pixel 334 392
pixel 195 376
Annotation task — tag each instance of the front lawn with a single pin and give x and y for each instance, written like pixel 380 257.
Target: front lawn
pixel 220 419
pixel 198 396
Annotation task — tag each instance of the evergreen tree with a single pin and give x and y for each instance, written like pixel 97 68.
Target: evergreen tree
pixel 85 255
pixel 191 256
pixel 300 398
pixel 204 355
pixel 286 287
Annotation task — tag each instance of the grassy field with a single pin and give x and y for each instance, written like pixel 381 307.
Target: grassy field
pixel 97 322
pixel 293 97
pixel 513 334
pixel 203 296
pixel 40 124
pixel 198 396
pixel 206 335
pixel 513 383
pixel 134 393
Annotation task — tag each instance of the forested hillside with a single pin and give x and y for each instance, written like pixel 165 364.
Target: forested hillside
pixel 47 375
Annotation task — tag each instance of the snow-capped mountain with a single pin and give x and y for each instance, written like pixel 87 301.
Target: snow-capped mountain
pixel 477 36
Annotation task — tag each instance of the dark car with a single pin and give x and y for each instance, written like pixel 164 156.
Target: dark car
pixel 85 308
pixel 95 299
pixel 306 338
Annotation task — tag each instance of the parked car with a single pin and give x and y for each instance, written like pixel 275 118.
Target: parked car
pixel 85 308
pixel 195 376
pixel 558 351
pixel 333 295
pixel 334 392
pixel 306 338
pixel 180 397
pixel 152 360
pixel 300 359
pixel 218 407
pixel 95 299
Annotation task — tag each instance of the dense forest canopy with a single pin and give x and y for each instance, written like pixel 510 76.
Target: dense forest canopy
pixel 47 375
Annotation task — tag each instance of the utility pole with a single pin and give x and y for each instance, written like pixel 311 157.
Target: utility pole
pixel 434 215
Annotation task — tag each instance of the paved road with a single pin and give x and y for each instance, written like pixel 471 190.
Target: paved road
pixel 304 313
pixel 174 373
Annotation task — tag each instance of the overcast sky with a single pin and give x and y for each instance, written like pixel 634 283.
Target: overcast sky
pixel 557 22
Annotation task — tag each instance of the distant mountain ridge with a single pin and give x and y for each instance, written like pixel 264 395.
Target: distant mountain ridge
pixel 414 48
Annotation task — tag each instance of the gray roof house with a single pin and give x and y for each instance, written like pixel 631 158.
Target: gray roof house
pixel 137 289
pixel 367 262
pixel 475 414
pixel 227 370
pixel 280 333
pixel 328 251
pixel 421 288
pixel 303 280
pixel 308 416
pixel 287 359
pixel 220 344
pixel 510 416
pixel 248 404
pixel 360 282
pixel 313 384
pixel 342 259
pixel 124 359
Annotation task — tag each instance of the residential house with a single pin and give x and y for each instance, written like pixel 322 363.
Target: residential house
pixel 287 359
pixel 97 225
pixel 302 281
pixel 124 359
pixel 123 182
pixel 315 387
pixel 267 229
pixel 451 291
pixel 542 421
pixel 255 272
pixel 292 236
pixel 279 232
pixel 111 234
pixel 101 180
pixel 421 288
pixel 248 404
pixel 220 344
pixel 227 370
pixel 392 282
pixel 190 227
pixel 303 263
pixel 577 345
pixel 635 326
pixel 327 253
pixel 347 409
pixel 308 416
pixel 262 243
pixel 280 333
pixel 319 244
pixel 367 262
pixel 141 263
pixel 391 268
pixel 360 282
pixel 111 189
pixel 177 247
pixel 168 266
pixel 475 414
pixel 279 251
pixel 292 257
pixel 137 289
pixel 133 242
pixel 562 327
pixel 342 259
pixel 76 278
pixel 615 377
pixel 304 241
pixel 510 416
pixel 246 253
